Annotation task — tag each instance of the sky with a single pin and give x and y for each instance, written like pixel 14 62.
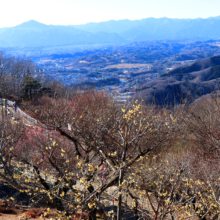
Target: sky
pixel 71 12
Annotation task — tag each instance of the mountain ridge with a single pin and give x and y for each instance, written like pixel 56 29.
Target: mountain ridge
pixel 31 24
pixel 33 33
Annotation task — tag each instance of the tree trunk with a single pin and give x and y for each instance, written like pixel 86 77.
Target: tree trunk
pixel 119 211
pixel 6 106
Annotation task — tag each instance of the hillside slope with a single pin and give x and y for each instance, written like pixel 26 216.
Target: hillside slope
pixel 184 83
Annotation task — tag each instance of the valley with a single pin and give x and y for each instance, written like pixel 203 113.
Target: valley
pixel 124 69
pixel 121 70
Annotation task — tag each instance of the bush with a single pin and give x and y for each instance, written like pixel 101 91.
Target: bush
pixel 91 154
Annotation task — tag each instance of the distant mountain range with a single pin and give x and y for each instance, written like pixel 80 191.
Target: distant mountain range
pixel 34 34
pixel 158 28
pixel 184 84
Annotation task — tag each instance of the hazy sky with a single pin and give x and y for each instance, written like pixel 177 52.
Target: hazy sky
pixel 64 12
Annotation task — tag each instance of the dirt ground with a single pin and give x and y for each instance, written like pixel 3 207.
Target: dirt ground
pixel 15 213
pixel 19 208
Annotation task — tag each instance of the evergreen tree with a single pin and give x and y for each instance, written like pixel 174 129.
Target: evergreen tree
pixel 31 86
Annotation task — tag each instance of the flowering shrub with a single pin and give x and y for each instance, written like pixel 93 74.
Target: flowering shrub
pixel 93 154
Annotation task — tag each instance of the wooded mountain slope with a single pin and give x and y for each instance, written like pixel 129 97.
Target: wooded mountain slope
pixel 184 83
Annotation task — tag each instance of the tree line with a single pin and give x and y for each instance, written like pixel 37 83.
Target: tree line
pixel 20 79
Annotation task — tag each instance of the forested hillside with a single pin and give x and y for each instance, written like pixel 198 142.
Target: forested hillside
pixel 184 84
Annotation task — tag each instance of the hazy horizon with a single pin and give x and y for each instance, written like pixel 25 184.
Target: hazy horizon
pixel 102 21
pixel 68 12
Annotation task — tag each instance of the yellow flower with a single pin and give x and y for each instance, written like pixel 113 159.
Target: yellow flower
pixel 91 168
pixel 82 180
pixel 90 205
pixel 62 194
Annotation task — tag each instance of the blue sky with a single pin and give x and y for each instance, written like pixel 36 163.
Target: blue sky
pixel 65 12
